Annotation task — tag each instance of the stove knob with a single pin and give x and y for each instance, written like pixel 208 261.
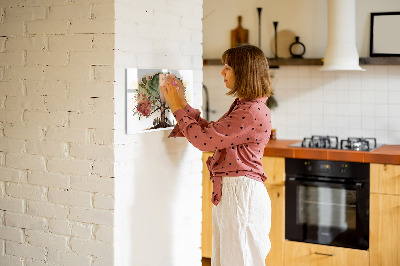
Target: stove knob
pixel 343 168
pixel 308 166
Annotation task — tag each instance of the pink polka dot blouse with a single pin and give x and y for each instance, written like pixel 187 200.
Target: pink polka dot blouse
pixel 238 139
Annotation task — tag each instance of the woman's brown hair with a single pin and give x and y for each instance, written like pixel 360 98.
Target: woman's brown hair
pixel 250 66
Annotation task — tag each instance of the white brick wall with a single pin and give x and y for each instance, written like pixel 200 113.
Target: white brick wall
pixel 62 138
pixel 56 132
pixel 156 177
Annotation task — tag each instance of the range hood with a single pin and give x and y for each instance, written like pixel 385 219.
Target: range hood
pixel 341 51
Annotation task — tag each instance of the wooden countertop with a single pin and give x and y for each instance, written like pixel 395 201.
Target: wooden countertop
pixel 389 154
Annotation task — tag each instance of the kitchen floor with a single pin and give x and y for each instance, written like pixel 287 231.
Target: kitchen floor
pixel 206 261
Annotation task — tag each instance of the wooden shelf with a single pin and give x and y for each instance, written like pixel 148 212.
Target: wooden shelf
pixel 273 63
pixel 380 61
pixel 295 62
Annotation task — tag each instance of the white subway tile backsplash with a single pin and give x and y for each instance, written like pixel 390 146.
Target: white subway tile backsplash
pixel 342 109
pixel 393 71
pixel 329 93
pixel 394 110
pixel 342 122
pixel 394 137
pixel 368 123
pixel 329 123
pixel 394 83
pixel 355 132
pixel 346 103
pixel 316 82
pixel 342 96
pixel 381 122
pixel 291 71
pixel 380 71
pixel 354 81
pixel 382 136
pixel 394 97
pixel 329 109
pixel 367 96
pixel 303 82
pixel 292 82
pixel 367 133
pixel 394 123
pixel 367 110
pixel 342 81
pixel 381 97
pixel 355 96
pixel 381 110
pixel 381 84
pixel 355 109
pixel 304 72
pixel 355 122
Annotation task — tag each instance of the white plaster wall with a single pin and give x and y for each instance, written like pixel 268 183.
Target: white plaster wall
pixel 305 18
pixel 56 132
pixel 158 180
pixel 344 103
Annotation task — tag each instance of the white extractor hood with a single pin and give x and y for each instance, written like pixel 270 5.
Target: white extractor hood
pixel 341 51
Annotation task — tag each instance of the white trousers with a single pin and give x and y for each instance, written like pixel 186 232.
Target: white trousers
pixel 241 223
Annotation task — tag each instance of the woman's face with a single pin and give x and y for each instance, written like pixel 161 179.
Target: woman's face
pixel 229 76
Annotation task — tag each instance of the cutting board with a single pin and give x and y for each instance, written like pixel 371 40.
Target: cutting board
pixel 239 35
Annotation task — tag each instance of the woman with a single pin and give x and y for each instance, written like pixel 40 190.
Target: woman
pixel 242 208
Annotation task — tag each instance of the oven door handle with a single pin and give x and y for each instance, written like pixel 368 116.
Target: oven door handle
pixel 357 185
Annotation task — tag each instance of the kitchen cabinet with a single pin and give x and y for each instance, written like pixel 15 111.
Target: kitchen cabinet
pixel 274 168
pixel 385 178
pixel 384 247
pixel 206 226
pixel 305 254
pixel 385 214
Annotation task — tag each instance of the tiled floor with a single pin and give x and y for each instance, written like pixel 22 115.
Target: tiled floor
pixel 206 261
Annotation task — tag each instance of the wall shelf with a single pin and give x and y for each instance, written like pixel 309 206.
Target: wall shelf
pixel 380 61
pixel 274 63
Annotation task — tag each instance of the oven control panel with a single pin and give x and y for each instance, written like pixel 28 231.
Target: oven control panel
pixel 337 169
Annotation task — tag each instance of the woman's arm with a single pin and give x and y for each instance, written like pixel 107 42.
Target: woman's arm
pixel 237 128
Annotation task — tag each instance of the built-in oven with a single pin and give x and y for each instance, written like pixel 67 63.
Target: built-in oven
pixel 327 202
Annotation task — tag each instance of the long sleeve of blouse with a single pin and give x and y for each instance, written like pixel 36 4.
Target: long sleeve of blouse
pixel 230 131
pixel 193 113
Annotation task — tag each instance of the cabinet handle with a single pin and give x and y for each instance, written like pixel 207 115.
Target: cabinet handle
pixel 324 254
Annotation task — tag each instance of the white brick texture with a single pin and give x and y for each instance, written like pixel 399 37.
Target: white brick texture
pixel 56 131
pixel 46 240
pixel 25 250
pixel 25 221
pixel 62 120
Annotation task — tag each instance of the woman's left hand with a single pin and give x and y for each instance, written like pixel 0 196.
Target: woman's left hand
pixel 171 94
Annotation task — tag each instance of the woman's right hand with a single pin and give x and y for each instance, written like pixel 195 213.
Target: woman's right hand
pixel 180 89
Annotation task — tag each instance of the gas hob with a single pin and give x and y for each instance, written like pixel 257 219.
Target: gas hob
pixel 332 142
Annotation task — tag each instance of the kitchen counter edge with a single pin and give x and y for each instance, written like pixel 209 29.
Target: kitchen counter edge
pixel 385 154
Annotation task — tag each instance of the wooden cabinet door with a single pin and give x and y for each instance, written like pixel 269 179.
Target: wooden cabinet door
pixel 385 178
pixel 304 254
pixel 206 226
pixel 384 236
pixel 277 233
pixel 274 168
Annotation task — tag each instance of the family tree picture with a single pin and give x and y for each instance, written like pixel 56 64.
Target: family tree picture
pixel 146 107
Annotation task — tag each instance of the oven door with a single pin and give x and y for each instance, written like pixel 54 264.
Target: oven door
pixel 327 213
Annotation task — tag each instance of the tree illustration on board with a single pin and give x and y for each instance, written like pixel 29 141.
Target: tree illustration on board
pixel 149 101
